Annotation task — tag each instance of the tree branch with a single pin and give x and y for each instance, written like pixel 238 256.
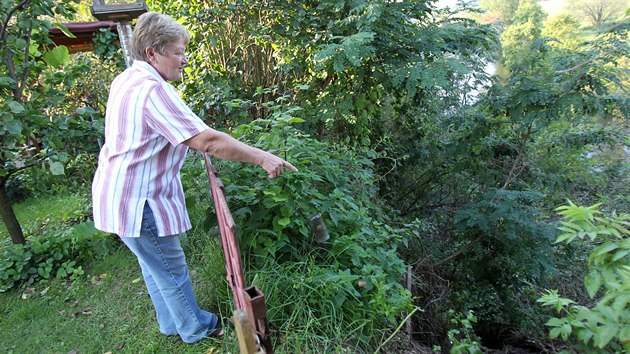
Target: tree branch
pixel 36 161
pixel 8 61
pixel 8 57
pixel 5 23
pixel 460 251
pixel 595 57
pixel 512 174
pixel 25 72
pixel 583 64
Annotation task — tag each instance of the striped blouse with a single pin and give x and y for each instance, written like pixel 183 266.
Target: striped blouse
pixel 146 122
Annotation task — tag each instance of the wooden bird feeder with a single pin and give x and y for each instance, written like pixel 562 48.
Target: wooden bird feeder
pixel 117 10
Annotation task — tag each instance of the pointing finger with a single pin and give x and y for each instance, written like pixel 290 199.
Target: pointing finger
pixel 291 167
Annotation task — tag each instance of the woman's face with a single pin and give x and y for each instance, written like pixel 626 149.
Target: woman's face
pixel 171 64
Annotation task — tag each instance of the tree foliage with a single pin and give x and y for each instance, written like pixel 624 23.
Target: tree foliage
pixel 37 118
pixel 525 27
pixel 564 29
pixel 599 12
pixel 501 10
pixel 352 66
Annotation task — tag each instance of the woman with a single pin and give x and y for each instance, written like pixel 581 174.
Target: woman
pixel 137 193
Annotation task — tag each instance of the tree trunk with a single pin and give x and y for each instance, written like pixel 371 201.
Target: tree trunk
pixel 8 216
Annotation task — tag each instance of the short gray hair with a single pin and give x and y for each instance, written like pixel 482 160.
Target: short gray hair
pixel 157 31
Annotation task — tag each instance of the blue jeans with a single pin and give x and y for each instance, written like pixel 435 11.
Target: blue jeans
pixel 166 276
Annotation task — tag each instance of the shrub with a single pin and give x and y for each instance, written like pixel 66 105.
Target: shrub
pixel 508 247
pixel 604 327
pixel 358 268
pixel 52 255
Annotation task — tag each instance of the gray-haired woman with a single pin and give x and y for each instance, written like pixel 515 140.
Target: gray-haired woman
pixel 137 193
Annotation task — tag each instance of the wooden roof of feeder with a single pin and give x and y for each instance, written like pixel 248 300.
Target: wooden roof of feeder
pixel 84 32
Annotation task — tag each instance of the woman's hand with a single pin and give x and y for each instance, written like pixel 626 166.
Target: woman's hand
pixel 275 165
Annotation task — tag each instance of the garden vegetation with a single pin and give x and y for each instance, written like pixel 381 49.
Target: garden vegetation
pixel 471 167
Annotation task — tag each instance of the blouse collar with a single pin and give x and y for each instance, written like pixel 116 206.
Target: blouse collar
pixel 144 66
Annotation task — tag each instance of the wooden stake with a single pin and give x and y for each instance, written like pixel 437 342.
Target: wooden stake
pixel 246 340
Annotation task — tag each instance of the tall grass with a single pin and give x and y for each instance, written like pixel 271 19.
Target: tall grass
pixel 305 313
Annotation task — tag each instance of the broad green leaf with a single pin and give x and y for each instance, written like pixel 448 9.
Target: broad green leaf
pixel 592 282
pixel 85 229
pixel 57 56
pixel 609 315
pixel 13 126
pixel 284 221
pixel 554 333
pixel 605 248
pixel 33 49
pixel 16 107
pixel 606 334
pixel 584 335
pixel 333 217
pixel 6 81
pixel 280 198
pixel 566 237
pixel 285 211
pixel 63 157
pixel 20 43
pixel 620 254
pixel 555 322
pixel 620 302
pixel 624 334
pixel 56 168
pixel 270 192
pixel 566 331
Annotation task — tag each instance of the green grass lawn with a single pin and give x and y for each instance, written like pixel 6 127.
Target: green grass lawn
pixel 48 212
pixel 107 310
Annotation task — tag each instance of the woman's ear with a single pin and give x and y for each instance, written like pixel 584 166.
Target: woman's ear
pixel 150 53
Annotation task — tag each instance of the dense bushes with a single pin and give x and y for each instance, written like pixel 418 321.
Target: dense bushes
pixel 357 270
pixel 508 247
pixel 52 254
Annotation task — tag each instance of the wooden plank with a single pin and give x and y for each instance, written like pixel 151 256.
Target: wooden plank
pixel 246 340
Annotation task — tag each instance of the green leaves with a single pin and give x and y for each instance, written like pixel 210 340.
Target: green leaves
pixel 55 254
pixel 64 29
pixel 560 328
pixel 607 323
pixel 593 281
pixel 15 107
pixel 57 56
pixel 353 49
pixel 273 218
pixel 56 168
pixel 12 126
pixel 40 95
pixel 552 299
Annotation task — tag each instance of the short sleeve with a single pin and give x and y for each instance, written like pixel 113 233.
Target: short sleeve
pixel 169 115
